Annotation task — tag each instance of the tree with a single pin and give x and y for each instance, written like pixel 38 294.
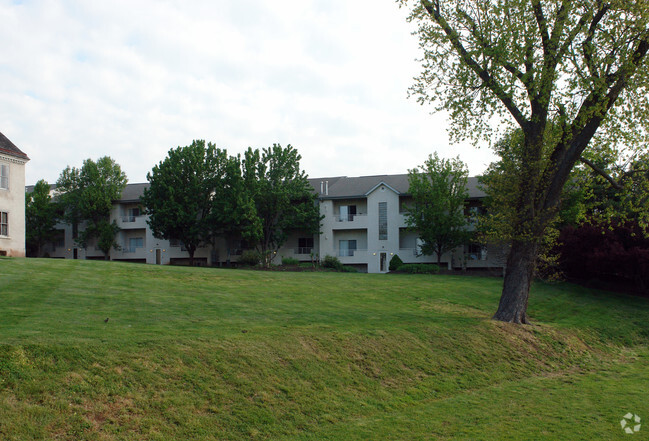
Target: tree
pixel 438 189
pixel 234 213
pixel 87 196
pixel 563 71
pixel 181 194
pixel 283 198
pixel 40 216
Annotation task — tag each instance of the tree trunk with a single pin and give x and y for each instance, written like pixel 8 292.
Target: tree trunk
pixel 516 287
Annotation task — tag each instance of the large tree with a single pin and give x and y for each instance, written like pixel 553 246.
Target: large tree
pixel 563 71
pixel 41 215
pixel 283 198
pixel 439 193
pixel 87 195
pixel 181 194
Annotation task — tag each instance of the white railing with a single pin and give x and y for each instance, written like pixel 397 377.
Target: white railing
pixel 303 250
pixel 348 253
pixel 349 217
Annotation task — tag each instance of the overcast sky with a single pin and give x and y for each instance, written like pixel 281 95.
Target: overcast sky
pixel 132 79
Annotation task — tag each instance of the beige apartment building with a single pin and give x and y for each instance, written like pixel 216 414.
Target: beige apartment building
pixel 12 199
pixel 364 226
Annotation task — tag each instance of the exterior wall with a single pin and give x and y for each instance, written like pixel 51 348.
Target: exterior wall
pixel 372 254
pixel 12 202
pixel 385 249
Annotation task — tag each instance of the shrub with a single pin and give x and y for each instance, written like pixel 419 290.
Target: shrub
pixel 418 268
pixel 250 258
pixel 395 263
pixel 332 262
pixel 290 261
pixel 349 269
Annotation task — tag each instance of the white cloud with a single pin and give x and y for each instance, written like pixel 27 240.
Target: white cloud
pixel 134 79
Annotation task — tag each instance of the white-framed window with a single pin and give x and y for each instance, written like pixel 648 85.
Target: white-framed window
pixel 347 213
pixel 346 248
pixel 4 223
pixel 130 214
pixel 4 176
pixel 134 243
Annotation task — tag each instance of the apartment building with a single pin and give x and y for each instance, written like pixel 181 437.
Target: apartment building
pixel 12 199
pixel 364 226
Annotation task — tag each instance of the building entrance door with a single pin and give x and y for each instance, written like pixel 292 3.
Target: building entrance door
pixel 383 261
pixel 158 256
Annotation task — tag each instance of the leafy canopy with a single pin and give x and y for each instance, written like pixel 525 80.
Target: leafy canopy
pixel 87 195
pixel 438 189
pixel 182 190
pixel 283 198
pixel 41 215
pixel 560 70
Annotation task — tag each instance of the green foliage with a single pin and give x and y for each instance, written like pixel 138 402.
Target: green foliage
pixel 290 261
pixel 250 258
pixel 438 189
pixel 87 195
pixel 183 190
pixel 560 73
pixel 348 269
pixel 41 215
pixel 395 263
pixel 331 262
pixel 282 196
pixel 418 268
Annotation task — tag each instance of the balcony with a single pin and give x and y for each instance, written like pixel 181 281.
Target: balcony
pixel 351 256
pixel 350 222
pixel 131 222
pixel 303 251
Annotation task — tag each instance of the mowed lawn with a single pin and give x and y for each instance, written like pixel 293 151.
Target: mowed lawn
pixel 211 354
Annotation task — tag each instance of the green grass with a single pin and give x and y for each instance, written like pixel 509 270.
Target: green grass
pixel 196 353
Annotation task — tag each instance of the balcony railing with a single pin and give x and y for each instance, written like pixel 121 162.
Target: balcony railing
pixel 348 252
pixel 303 250
pixel 129 218
pixel 349 217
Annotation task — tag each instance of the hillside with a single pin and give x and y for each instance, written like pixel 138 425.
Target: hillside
pixel 196 353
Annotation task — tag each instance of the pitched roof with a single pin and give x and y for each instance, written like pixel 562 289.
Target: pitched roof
pixel 133 192
pixel 7 147
pixel 339 187
pixel 358 187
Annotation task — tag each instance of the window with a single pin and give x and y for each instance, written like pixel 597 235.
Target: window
pixel 304 245
pixel 383 221
pixel 346 247
pixel 4 177
pixel 475 252
pixel 347 213
pixel 131 214
pixel 134 243
pixel 4 224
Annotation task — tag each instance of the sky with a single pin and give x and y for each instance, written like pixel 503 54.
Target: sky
pixel 133 79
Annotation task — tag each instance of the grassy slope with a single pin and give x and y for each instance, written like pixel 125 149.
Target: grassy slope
pixel 218 354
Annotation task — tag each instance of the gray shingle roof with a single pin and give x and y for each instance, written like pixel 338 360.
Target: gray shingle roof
pixel 7 147
pixel 358 187
pixel 340 187
pixel 133 192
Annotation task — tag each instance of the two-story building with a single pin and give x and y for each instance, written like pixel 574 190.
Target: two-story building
pixel 12 199
pixel 364 225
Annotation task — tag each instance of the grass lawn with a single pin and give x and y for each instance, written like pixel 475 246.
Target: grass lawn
pixel 197 353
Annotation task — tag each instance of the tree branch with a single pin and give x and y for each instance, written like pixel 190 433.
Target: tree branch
pixel 601 172
pixel 433 9
pixel 587 45
pixel 543 25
